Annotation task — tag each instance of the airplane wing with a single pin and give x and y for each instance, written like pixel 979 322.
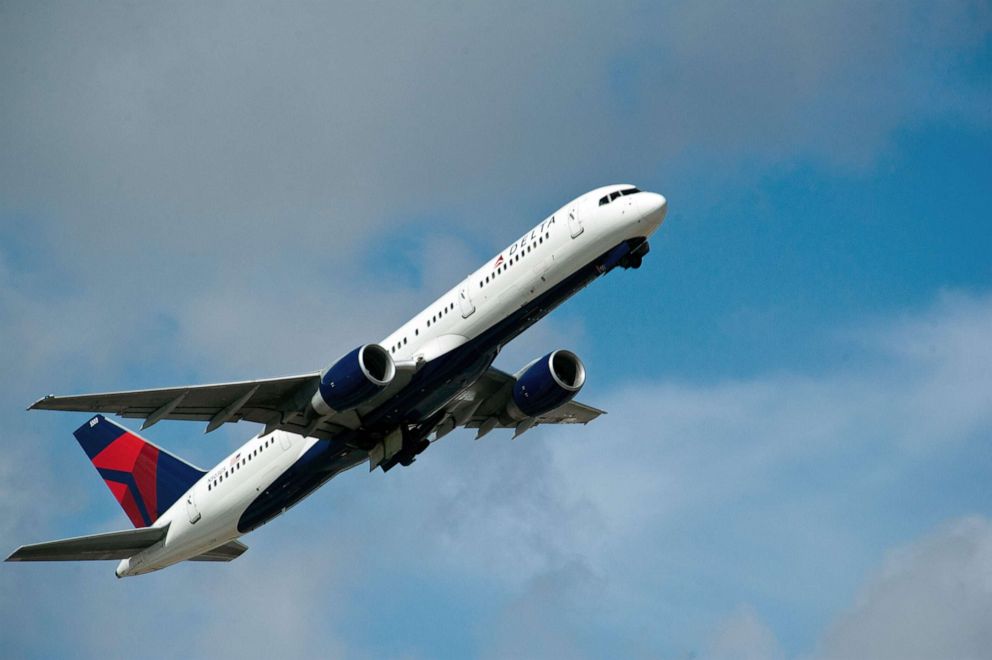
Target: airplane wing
pixel 278 403
pixel 227 552
pixel 112 545
pixel 272 402
pixel 281 403
pixel 482 406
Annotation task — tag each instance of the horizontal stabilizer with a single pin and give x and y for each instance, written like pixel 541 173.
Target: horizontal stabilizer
pixel 227 552
pixel 112 545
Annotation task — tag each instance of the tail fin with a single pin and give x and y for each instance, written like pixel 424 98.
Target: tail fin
pixel 145 480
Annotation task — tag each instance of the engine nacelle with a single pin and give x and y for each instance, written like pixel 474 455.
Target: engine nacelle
pixel 354 379
pixel 548 383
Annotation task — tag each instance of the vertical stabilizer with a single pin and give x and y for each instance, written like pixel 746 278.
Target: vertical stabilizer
pixel 144 479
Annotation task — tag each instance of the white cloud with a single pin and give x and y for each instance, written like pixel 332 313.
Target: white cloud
pixel 743 636
pixel 931 599
pixel 751 491
pixel 199 190
pixel 827 81
pixel 210 171
pixel 165 141
pixel 755 485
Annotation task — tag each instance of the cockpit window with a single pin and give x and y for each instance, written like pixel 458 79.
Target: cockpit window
pixel 606 199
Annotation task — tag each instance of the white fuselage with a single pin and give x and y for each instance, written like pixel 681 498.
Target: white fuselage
pixel 569 239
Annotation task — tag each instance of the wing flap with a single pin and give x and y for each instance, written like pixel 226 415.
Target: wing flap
pixel 573 412
pixel 112 545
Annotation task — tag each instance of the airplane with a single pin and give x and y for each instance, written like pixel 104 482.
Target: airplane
pixel 382 403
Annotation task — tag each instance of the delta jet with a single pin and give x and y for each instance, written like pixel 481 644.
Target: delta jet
pixel 382 403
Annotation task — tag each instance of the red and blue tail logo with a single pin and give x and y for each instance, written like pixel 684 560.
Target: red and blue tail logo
pixel 144 479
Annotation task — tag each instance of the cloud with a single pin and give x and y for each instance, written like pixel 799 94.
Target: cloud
pixel 931 599
pixel 226 129
pixel 647 522
pixel 225 166
pixel 756 489
pixel 823 81
pixel 743 636
pixel 217 192
pixel 775 491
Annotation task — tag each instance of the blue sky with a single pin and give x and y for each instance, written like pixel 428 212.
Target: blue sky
pixel 799 380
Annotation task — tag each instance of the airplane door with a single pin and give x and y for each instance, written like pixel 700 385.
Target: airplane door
pixel 465 303
pixel 574 223
pixel 191 510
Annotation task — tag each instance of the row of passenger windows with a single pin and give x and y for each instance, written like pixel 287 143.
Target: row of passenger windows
pixel 606 199
pixel 241 463
pixel 450 307
pixel 447 309
pixel 514 259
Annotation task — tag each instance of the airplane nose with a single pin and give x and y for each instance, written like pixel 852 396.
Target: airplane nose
pixel 653 209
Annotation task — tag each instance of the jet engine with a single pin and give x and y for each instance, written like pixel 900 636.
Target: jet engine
pixel 354 379
pixel 546 384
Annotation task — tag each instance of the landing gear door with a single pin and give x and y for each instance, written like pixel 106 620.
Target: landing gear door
pixel 574 223
pixel 465 302
pixel 191 510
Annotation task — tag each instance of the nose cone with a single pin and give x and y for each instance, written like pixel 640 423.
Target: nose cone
pixel 653 209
